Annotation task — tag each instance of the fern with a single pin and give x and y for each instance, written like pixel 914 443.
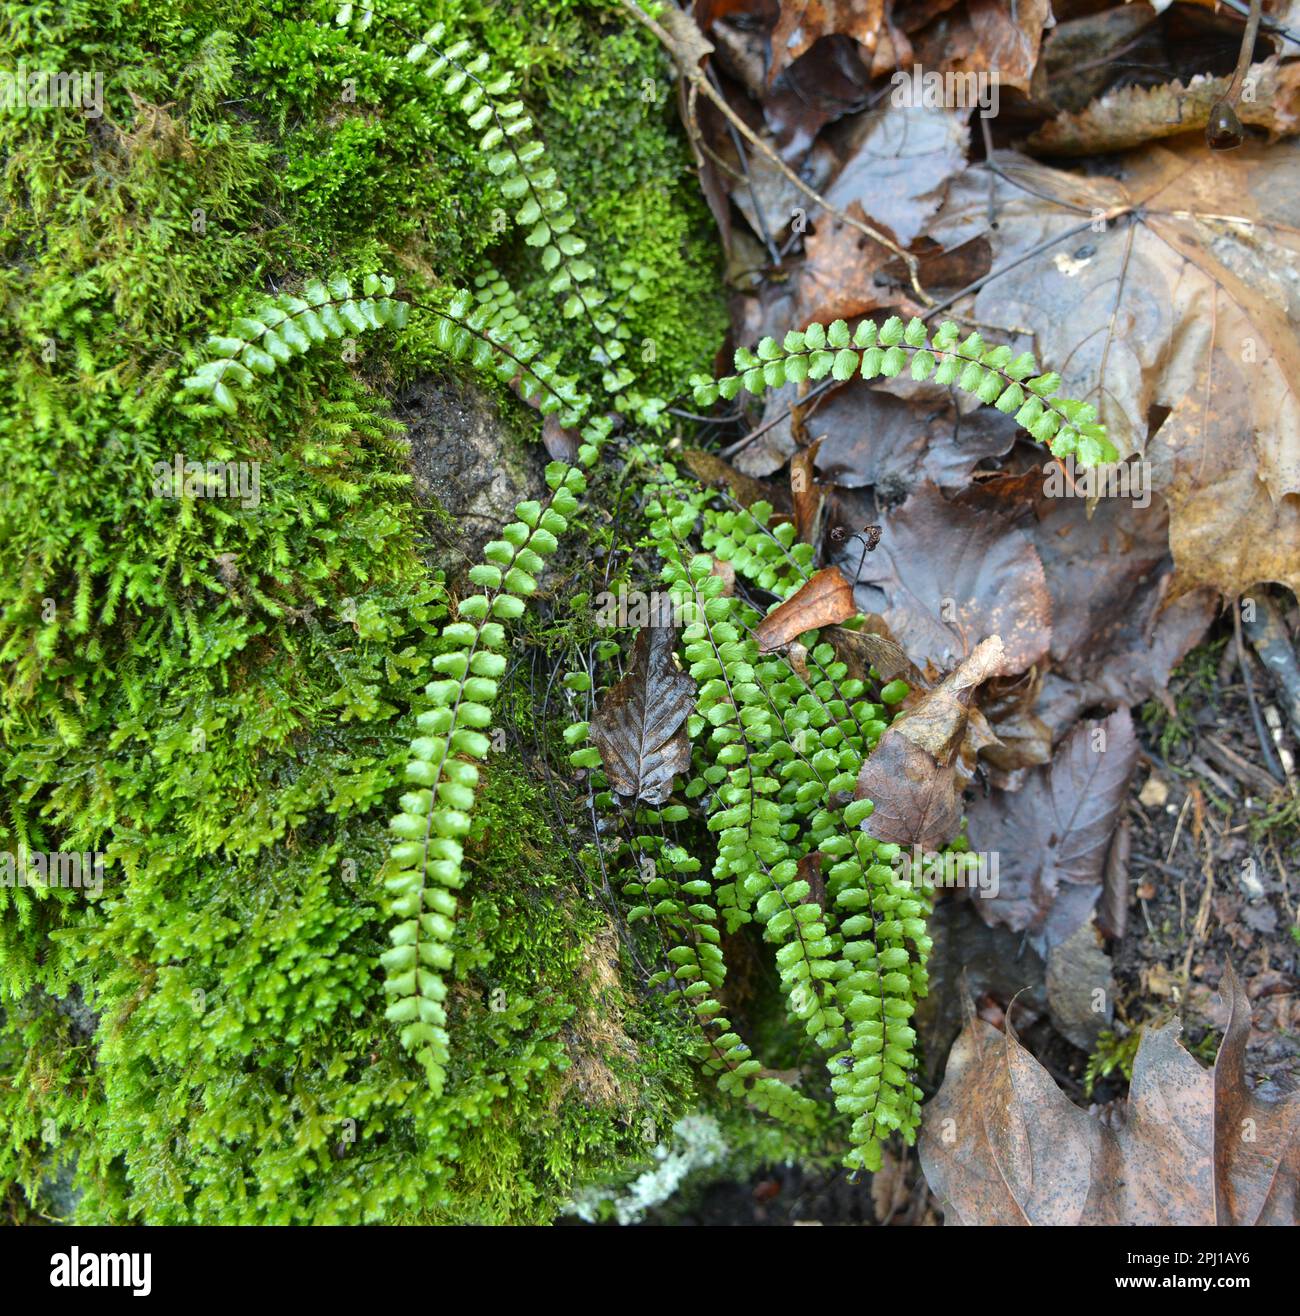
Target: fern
pixel 992 374
pixel 287 326
pixel 777 749
pixel 428 853
pixel 516 158
pixel 698 969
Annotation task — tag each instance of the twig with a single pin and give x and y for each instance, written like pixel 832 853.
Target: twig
pixel 739 144
pixel 1178 827
pixel 691 72
pixel 987 133
pixel 812 393
pixel 1270 759
pixel 1269 25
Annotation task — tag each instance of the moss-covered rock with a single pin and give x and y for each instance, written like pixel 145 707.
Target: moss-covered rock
pixel 216 697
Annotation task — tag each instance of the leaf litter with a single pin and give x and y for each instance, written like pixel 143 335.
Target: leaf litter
pixel 1027 608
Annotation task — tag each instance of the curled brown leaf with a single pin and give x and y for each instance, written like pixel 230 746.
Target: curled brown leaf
pixel 823 600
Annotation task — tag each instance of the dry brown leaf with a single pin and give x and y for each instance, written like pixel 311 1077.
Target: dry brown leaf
pixel 873 646
pixel 561 444
pixel 1001 1144
pixel 1112 908
pixel 802 22
pixel 1186 304
pixel 1052 836
pixel 1257 1143
pixel 1081 56
pixel 914 777
pixel 1023 738
pixel 875 438
pixel 640 726
pixel 838 279
pixel 898 161
pixel 711 470
pixel 987 36
pixel 1129 116
pixel 822 600
pixel 808 496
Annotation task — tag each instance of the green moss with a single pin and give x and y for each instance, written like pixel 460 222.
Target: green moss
pixel 218 698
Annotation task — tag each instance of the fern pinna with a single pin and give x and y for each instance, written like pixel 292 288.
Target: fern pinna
pixel 777 741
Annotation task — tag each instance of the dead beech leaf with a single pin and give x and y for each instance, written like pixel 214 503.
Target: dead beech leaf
pixel 918 801
pixel 1000 1143
pixel 640 726
pixel 913 776
pixel 1128 116
pixel 938 723
pixel 1053 835
pixel 822 600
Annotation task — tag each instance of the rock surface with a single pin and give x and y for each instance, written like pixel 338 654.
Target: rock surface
pixel 471 459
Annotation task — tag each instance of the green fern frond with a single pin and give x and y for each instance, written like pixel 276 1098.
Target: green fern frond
pixel 994 375
pixel 516 157
pixel 288 325
pixel 776 761
pixel 428 855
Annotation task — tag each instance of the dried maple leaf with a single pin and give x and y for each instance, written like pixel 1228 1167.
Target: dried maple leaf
pixel 640 726
pixel 914 777
pixel 1002 1145
pixel 823 600
pixel 1175 299
pixel 1052 836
